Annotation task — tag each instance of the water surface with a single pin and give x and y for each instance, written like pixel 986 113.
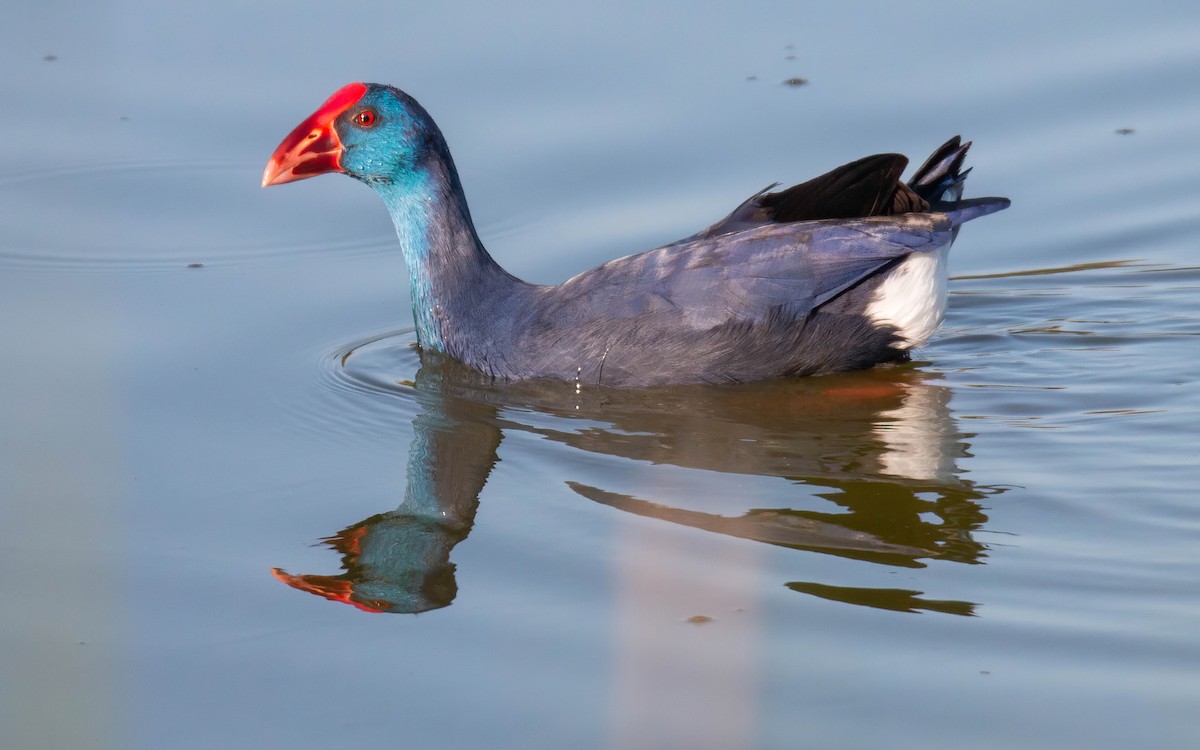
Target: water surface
pixel 239 510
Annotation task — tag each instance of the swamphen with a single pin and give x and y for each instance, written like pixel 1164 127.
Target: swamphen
pixel 842 272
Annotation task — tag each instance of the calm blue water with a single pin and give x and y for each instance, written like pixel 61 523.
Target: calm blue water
pixel 995 547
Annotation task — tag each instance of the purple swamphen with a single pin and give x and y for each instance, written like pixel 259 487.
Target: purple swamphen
pixel 842 272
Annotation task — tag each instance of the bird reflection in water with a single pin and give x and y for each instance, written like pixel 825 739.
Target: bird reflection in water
pixel 881 445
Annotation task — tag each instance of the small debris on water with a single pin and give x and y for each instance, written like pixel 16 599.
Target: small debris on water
pixel 751 78
pixel 699 619
pixel 49 58
pixel 195 265
pixel 795 82
pixel 789 57
pixel 1124 131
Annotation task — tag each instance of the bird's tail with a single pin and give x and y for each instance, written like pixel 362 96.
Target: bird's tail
pixel 972 208
pixel 940 179
pixel 940 182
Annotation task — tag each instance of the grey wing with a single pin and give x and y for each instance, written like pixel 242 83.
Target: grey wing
pixel 745 276
pixel 734 307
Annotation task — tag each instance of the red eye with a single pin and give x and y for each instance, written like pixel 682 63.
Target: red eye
pixel 366 118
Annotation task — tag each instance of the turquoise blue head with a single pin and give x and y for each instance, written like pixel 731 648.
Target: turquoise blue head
pixel 374 133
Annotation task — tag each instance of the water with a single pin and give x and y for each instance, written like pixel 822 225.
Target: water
pixel 206 382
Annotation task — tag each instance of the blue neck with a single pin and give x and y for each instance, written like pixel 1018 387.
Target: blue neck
pixel 411 206
pixel 457 289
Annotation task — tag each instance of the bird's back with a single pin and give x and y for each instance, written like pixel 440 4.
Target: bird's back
pixel 766 302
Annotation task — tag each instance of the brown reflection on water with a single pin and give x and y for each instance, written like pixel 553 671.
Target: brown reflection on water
pixel 877 449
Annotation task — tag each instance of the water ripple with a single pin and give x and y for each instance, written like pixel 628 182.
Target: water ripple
pixel 153 216
pixel 367 387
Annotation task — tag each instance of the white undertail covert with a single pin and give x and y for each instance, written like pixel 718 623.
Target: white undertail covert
pixel 912 298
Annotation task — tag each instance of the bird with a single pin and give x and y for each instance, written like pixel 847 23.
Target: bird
pixel 843 272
